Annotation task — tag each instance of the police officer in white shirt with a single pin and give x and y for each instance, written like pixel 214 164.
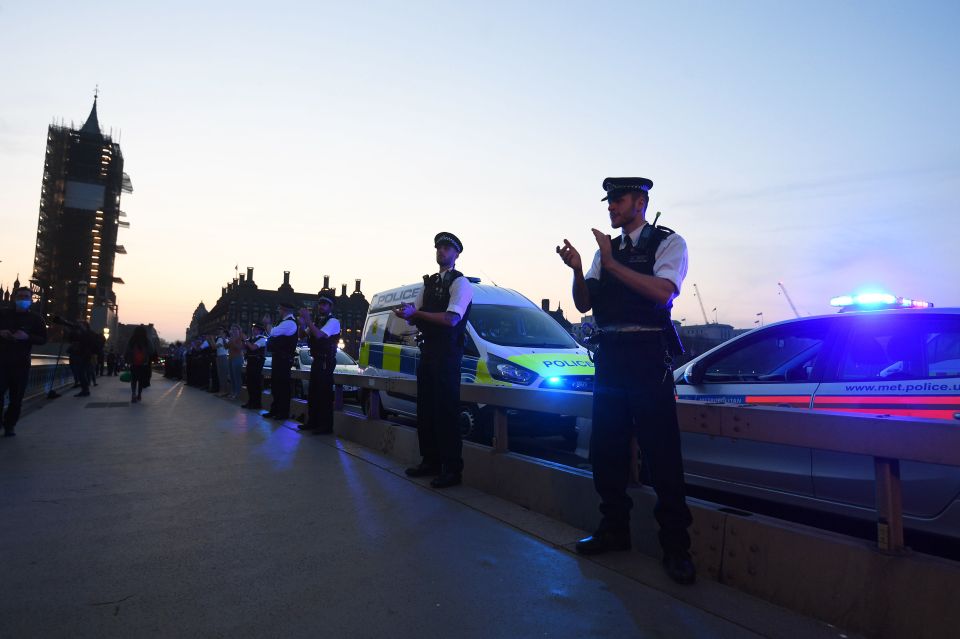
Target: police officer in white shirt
pixel 256 349
pixel 440 312
pixel 283 348
pixel 323 335
pixel 630 287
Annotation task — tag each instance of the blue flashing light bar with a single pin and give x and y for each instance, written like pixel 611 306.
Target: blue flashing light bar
pixel 876 300
pixel 553 380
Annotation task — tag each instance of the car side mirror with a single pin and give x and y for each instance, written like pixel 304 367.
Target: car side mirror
pixel 693 374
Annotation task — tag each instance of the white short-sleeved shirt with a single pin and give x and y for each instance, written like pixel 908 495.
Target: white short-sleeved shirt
pixel 221 346
pixel 461 294
pixel 670 260
pixel 287 327
pixel 261 341
pixel 331 327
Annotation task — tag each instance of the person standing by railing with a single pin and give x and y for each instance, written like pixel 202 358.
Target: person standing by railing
pixel 283 348
pixel 440 312
pixel 20 330
pixel 630 287
pixel 256 348
pixel 235 361
pixel 322 334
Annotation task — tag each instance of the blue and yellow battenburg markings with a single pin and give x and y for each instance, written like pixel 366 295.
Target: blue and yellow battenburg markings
pixel 403 359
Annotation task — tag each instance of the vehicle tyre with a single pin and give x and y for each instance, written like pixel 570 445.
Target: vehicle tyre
pixel 470 423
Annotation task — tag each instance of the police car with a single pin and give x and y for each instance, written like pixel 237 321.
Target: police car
pixel 903 360
pixel 303 360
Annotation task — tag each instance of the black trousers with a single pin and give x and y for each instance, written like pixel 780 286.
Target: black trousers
pixel 280 386
pixel 438 404
pixel 254 383
pixel 634 394
pixel 13 380
pixel 320 398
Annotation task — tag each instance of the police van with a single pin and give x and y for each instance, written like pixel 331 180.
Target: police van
pixel 883 355
pixel 509 341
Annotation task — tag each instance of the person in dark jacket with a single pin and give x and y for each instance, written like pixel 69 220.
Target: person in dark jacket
pixel 139 354
pixel 20 330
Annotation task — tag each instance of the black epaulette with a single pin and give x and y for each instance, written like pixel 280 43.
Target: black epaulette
pixel 664 231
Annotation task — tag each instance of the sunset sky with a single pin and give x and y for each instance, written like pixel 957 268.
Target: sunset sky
pixel 814 143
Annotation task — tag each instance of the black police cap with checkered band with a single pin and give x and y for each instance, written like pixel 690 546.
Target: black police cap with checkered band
pixel 448 238
pixel 616 187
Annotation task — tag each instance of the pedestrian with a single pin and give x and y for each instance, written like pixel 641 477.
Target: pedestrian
pixel 630 286
pixel 282 345
pixel 322 333
pixel 235 354
pixel 256 348
pixel 223 362
pixel 82 348
pixel 111 363
pixel 139 353
pixel 20 330
pixel 440 312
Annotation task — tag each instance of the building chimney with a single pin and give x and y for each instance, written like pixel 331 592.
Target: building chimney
pixel 249 273
pixel 545 304
pixel 223 291
pixel 286 278
pixel 243 278
pixel 343 290
pixel 357 287
pixel 326 281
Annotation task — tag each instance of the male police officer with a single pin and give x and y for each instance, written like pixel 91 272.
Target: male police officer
pixel 440 312
pixel 20 329
pixel 322 336
pixel 630 287
pixel 283 348
pixel 256 348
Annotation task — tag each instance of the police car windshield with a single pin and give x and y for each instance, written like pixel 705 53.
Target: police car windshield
pixel 518 326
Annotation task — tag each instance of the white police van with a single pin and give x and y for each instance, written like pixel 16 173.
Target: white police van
pixel 510 341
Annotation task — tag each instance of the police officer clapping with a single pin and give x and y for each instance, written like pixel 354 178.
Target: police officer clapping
pixel 630 286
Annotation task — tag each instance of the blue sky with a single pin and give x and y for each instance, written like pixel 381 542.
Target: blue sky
pixel 814 143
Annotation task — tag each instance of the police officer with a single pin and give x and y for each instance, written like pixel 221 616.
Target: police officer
pixel 282 345
pixel 440 312
pixel 631 286
pixel 322 336
pixel 20 330
pixel 256 349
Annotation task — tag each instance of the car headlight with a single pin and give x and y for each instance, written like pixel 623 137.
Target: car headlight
pixel 507 371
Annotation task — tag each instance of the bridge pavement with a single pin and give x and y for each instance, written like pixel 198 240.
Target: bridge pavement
pixel 187 516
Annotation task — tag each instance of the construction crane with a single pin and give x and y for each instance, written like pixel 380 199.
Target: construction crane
pixel 786 295
pixel 700 299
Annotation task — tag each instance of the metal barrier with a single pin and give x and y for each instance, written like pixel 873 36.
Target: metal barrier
pixel 889 440
pixel 45 378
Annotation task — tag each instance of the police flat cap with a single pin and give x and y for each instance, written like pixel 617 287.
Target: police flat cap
pixel 616 187
pixel 287 303
pixel 325 298
pixel 448 238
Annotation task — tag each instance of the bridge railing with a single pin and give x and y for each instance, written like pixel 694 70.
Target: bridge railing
pixel 888 440
pixel 46 375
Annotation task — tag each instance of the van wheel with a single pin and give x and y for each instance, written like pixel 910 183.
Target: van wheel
pixel 468 421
